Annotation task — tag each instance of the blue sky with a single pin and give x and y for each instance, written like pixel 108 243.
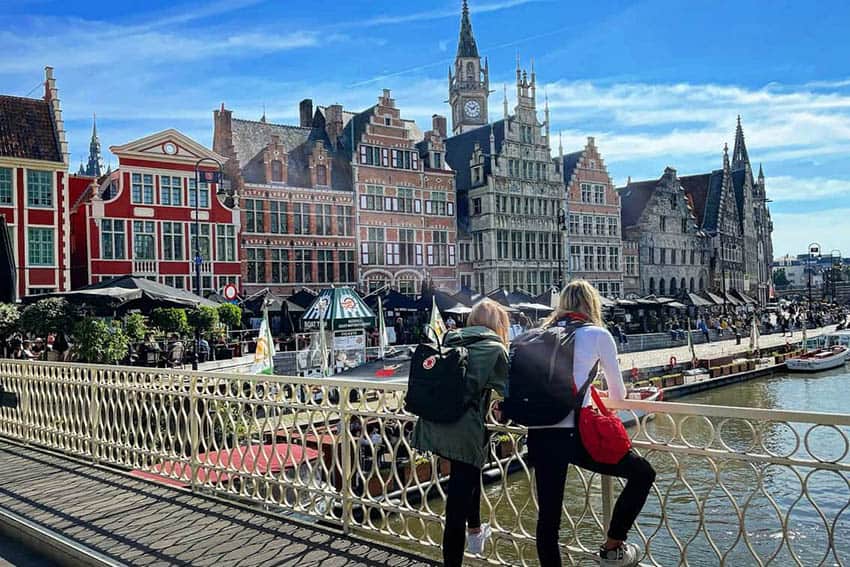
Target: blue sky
pixel 656 82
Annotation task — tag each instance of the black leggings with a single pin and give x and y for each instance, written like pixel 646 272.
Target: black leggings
pixel 551 450
pixel 463 509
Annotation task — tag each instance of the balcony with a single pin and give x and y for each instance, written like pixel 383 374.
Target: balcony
pixel 735 486
pixel 144 267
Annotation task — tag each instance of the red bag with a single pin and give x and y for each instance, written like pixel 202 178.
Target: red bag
pixel 602 433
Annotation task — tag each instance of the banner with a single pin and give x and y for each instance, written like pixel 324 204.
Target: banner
pixel 264 355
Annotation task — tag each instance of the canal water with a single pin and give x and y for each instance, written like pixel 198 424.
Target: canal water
pixel 727 488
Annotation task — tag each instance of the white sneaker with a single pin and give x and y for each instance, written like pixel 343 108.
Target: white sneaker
pixel 475 542
pixel 624 556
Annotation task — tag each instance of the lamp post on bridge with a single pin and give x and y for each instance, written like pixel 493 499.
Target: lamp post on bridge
pixel 562 227
pixel 814 252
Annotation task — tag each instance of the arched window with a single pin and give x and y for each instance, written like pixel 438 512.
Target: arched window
pixel 662 286
pixel 470 71
pixel 277 172
pixel 672 286
pixel 701 287
pixel 683 285
pixel 692 285
pixel 321 175
pixel 651 285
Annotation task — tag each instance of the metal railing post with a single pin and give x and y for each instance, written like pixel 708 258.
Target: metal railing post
pixel 194 435
pixel 94 415
pixel 26 403
pixel 347 442
pixel 607 501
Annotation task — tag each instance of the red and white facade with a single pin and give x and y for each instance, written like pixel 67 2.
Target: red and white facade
pixel 141 219
pixel 34 189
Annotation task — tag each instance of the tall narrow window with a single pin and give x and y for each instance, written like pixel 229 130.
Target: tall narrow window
pixel 170 190
pixel 278 221
pixel 343 220
pixel 277 171
pixel 256 272
pixel 346 266
pixel 5 186
pixel 40 246
pixel 280 266
pixel 39 188
pixel 203 241
pixel 303 266
pixel 172 240
pixel 204 194
pixel 112 239
pixel 141 192
pixel 144 240
pixel 325 266
pixel 225 245
pixel 321 175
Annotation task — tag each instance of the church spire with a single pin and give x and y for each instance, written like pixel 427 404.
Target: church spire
pixel 761 172
pixel 94 167
pixel 466 46
pixel 740 158
pixel 725 157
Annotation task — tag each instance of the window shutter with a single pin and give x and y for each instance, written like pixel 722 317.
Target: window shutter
pixel 388 203
pixel 417 206
pixel 395 203
pixel 414 160
pixel 362 201
pixel 395 159
pixel 385 157
pixel 364 253
pixel 429 253
pixel 451 255
pixel 450 209
pixel 362 154
pixel 428 207
pixel 418 254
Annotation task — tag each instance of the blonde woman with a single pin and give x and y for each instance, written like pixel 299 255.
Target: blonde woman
pixel 465 442
pixel 553 447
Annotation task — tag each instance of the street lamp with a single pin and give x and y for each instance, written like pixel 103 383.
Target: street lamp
pixel 209 177
pixel 814 252
pixel 562 227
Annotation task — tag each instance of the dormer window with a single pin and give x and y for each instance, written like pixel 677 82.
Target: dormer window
pixel 321 175
pixel 277 172
pixel 437 161
pixel 388 121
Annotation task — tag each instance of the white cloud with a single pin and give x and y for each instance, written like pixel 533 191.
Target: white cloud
pixel 785 188
pixel 794 230
pixel 437 14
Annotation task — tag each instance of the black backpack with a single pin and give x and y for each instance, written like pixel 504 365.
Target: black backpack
pixel 541 389
pixel 436 386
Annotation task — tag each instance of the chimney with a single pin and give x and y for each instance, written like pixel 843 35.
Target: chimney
pixel 223 132
pixel 305 110
pixel 438 125
pixel 51 97
pixel 333 121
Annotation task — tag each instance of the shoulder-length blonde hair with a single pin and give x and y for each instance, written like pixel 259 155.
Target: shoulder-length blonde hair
pixel 488 313
pixel 579 296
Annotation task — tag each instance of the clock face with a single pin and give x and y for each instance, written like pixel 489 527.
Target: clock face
pixel 472 108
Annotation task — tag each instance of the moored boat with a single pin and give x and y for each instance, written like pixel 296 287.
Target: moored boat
pixel 820 359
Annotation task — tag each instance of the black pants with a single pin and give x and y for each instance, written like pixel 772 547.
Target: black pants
pixel 463 508
pixel 550 451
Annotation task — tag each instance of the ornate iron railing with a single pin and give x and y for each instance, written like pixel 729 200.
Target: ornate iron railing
pixel 735 486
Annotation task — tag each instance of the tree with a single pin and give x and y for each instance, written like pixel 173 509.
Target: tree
pixel 100 343
pixel 170 320
pixel 230 315
pixel 51 315
pixel 135 326
pixel 780 279
pixel 203 318
pixel 9 317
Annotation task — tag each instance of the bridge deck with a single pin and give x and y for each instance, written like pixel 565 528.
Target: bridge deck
pixel 135 522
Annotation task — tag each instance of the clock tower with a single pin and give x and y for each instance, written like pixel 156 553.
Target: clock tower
pixel 469 82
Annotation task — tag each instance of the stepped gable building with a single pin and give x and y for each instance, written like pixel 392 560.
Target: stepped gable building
pixel 595 244
pixel 140 219
pixel 509 189
pixel 360 199
pixel 294 188
pixel 730 210
pixel 659 221
pixel 34 188
pixel 406 228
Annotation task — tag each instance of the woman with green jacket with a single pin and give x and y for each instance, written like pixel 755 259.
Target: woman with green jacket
pixel 465 442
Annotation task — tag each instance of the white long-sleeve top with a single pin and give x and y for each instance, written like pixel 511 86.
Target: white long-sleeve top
pixel 594 344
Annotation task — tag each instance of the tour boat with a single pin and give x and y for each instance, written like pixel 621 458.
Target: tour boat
pixel 820 359
pixel 648 394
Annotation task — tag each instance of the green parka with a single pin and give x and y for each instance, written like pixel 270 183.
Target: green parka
pixel 466 439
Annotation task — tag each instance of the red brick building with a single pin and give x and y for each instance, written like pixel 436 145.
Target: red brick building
pixel 406 224
pixel 297 206
pixel 140 218
pixel 595 237
pixel 34 188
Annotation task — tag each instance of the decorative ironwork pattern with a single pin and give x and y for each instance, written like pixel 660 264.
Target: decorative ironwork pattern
pixel 735 486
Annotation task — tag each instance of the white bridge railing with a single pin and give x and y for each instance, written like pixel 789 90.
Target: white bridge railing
pixel 735 486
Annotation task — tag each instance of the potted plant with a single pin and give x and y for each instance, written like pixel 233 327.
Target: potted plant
pixel 100 343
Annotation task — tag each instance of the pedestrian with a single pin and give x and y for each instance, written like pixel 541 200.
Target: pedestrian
pixel 552 448
pixel 624 337
pixel 465 442
pixel 703 329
